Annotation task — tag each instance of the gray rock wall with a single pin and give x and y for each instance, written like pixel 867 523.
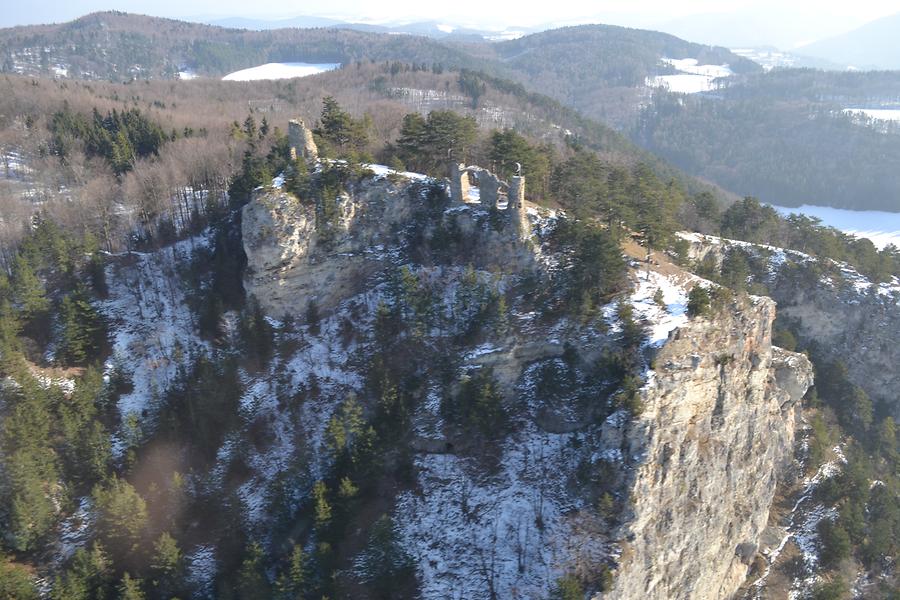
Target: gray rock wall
pixel 845 316
pixel 716 430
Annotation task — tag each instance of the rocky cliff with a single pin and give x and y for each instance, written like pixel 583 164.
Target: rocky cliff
pixel 692 475
pixel 834 307
pixel 293 257
pixel 717 427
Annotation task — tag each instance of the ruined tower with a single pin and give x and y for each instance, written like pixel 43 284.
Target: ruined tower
pixel 459 182
pixel 301 142
pixel 516 193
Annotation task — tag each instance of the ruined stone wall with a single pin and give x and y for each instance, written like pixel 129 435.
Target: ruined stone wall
pixel 290 262
pixel 459 182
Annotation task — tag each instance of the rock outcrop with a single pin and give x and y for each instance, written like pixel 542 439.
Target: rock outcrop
pixel 717 428
pixel 847 317
pixel 696 470
pixel 293 258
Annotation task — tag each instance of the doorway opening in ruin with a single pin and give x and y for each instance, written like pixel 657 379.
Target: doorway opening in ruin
pixel 473 193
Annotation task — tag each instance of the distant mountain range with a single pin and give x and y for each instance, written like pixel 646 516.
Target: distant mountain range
pixel 434 29
pixel 874 45
pixel 757 26
pixel 121 45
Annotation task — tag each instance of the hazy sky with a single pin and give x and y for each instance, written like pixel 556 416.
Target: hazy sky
pixel 818 17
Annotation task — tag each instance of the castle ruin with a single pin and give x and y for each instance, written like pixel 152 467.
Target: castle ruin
pixel 301 142
pixel 493 192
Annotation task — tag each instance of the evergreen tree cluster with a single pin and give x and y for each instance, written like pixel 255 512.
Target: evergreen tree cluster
pixel 119 137
pixel 429 144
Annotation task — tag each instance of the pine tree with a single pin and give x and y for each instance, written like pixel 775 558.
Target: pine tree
pixel 166 566
pixel 252 583
pixel 121 515
pixel 122 155
pixel 29 463
pixel 292 583
pixel 28 291
pixel 321 506
pixel 698 301
pixel 82 328
pixel 345 427
pixel 15 582
pixel 130 589
pixel 385 564
pixel 89 577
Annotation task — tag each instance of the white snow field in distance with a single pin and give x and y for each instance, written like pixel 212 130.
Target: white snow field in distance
pixel 691 78
pixel 279 71
pixel 881 227
pixel 879 114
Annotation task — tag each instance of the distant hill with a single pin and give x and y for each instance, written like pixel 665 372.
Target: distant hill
pixel 561 62
pixel 784 138
pixel 755 25
pixel 434 29
pixel 601 70
pixel 874 45
pixel 264 24
pixel 116 45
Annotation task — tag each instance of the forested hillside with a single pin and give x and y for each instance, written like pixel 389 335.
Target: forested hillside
pixel 784 137
pixel 780 135
pixel 601 70
pixel 119 46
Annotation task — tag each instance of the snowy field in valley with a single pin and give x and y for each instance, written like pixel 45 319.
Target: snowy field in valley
pixel 879 114
pixel 691 78
pixel 768 58
pixel 280 71
pixel 882 228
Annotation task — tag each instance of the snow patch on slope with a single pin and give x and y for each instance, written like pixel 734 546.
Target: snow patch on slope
pixel 280 71
pixel 471 532
pixel 663 319
pixel 692 77
pixel 154 331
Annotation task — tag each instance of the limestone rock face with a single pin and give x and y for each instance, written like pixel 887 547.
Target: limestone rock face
pixel 698 467
pixel 859 329
pixel 716 429
pixel 846 316
pixel 291 260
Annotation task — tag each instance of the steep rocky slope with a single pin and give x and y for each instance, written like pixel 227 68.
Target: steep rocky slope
pixel 717 429
pixel 690 479
pixel 840 311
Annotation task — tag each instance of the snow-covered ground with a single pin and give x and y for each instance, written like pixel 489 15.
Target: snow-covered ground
pixel 691 78
pixel 881 227
pixel 510 532
pixel 663 319
pixel 280 71
pixel 384 171
pixel 879 114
